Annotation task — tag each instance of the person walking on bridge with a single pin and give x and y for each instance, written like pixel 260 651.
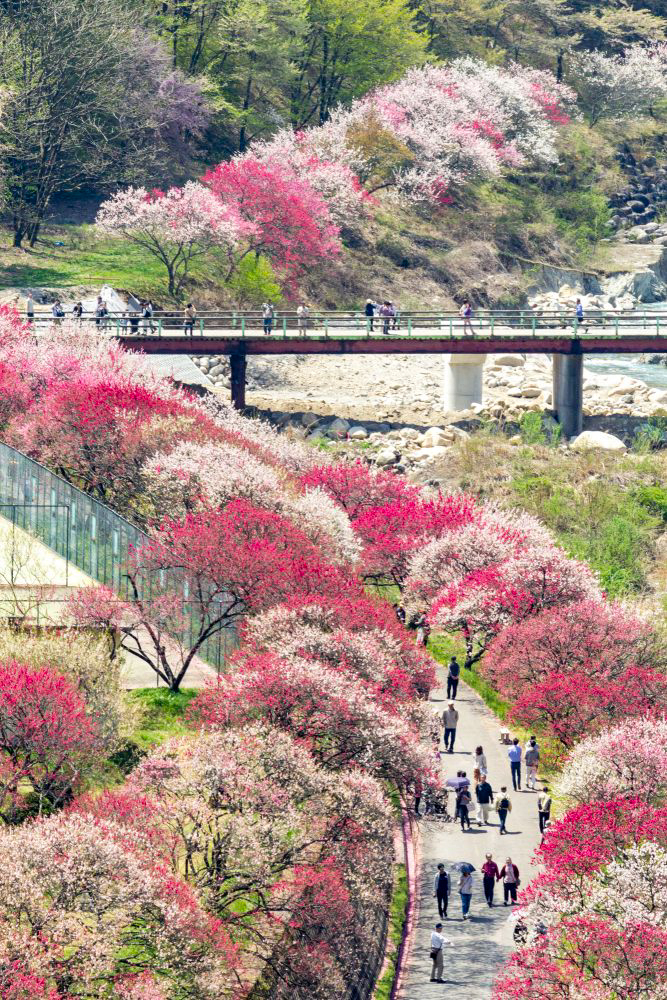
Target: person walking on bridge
pixel 189 317
pixel 465 312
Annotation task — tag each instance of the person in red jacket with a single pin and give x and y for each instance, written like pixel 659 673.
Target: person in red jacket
pixel 491 876
pixel 509 874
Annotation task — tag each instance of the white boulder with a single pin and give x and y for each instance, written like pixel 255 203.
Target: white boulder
pixel 597 440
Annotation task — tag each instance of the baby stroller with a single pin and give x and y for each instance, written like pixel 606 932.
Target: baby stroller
pixel 437 807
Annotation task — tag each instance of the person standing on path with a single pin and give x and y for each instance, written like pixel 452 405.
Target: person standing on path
pixel 514 754
pixel 509 874
pixel 453 675
pixel 481 766
pixel 544 807
pixel 465 312
pixel 503 807
pixel 532 758
pixel 369 313
pixel 189 317
pixel 441 890
pixel 438 942
pixel 450 718
pixel 268 313
pixel 484 796
pixel 30 309
pixel 465 890
pixel 491 876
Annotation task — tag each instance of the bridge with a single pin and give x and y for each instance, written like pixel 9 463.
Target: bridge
pixel 243 334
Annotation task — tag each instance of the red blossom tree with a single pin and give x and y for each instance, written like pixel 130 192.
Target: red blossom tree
pixel 485 602
pixel 573 669
pixel 97 434
pixel 47 741
pixel 201 575
pixel 357 487
pixel 291 224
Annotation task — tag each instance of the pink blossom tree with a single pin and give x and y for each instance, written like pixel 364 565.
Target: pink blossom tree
pixel 177 227
pixel 48 743
pixel 330 711
pixel 628 761
pixel 286 219
pixel 82 912
pixel 485 602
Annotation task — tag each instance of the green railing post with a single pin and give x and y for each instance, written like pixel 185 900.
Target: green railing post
pixel 409 326
pixel 616 325
pixel 533 324
pixel 284 326
pixel 326 326
pixel 492 323
pixel 451 327
pixel 159 327
pixel 243 326
pixel 575 326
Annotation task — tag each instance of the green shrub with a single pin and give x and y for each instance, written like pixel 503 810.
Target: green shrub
pixel 654 499
pixel 254 282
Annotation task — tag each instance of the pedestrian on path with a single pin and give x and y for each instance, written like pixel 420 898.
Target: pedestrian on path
pixel 441 890
pixel 480 764
pixel 465 890
pixel 509 874
pixel 484 796
pixel 463 800
pixel 532 758
pixel 491 876
pixel 453 675
pixel 514 754
pixel 438 942
pixel 450 718
pixel 503 807
pixel 544 807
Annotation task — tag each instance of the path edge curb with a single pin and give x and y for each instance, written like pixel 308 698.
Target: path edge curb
pixel 410 852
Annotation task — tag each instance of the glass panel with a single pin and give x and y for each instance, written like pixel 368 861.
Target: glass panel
pixel 90 536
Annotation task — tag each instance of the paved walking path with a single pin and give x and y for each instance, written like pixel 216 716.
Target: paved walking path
pixel 482 943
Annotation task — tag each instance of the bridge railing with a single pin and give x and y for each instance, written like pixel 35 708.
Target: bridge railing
pixel 483 322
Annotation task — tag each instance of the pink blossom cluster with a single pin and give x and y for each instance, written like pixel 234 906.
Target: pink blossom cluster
pixel 440 126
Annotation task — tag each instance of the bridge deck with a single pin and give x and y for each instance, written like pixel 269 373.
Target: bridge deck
pixel 542 341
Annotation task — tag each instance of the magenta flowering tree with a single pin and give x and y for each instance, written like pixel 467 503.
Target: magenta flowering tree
pixel 487 601
pixel 177 227
pixel 48 743
pixel 286 219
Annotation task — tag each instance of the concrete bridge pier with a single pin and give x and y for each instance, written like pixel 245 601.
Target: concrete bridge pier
pixel 464 380
pixel 568 392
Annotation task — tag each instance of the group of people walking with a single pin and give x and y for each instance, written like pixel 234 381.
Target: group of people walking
pixel 386 312
pixel 474 800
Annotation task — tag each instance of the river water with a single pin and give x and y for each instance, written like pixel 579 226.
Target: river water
pixel 629 364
